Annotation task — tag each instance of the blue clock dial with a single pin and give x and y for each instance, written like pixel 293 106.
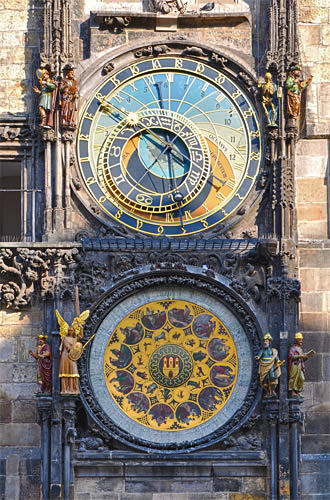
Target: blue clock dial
pixel 169 146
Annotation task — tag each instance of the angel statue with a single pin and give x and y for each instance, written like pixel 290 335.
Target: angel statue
pixel 71 349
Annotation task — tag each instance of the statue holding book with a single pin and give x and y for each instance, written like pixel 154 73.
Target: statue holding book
pixel 296 368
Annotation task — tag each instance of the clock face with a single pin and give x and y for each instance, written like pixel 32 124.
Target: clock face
pixel 169 146
pixel 170 366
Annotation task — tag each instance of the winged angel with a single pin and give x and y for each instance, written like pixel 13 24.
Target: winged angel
pixel 71 349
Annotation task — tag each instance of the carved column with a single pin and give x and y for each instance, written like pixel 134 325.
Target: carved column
pixel 44 405
pixel 67 138
pixel 69 435
pixel 56 56
pixel 272 415
pixel 296 418
pixel 49 137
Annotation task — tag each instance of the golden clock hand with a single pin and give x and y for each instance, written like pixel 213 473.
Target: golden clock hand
pixel 109 105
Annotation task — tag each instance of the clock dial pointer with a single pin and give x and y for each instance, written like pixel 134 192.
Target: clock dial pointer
pixel 107 105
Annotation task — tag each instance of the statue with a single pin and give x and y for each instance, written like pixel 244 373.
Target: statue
pixel 68 99
pixel 167 6
pixel 297 366
pixel 295 88
pixel 43 355
pixel 270 94
pixel 71 349
pixel 269 366
pixel 47 99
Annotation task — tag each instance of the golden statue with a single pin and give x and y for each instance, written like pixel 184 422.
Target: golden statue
pixel 71 349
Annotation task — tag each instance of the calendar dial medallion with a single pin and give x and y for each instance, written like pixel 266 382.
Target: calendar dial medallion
pixel 169 146
pixel 170 365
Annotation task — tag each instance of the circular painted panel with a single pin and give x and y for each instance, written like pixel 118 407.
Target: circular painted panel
pixel 170 365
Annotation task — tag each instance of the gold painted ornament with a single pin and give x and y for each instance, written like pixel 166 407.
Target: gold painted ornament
pixel 170 365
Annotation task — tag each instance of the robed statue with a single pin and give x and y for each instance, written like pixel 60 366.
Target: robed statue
pixel 269 366
pixel 297 358
pixel 71 349
pixel 47 97
pixel 43 354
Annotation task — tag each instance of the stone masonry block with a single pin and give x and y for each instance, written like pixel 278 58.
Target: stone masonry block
pixel 16 318
pixel 20 435
pixel 314 258
pixel 314 368
pixel 24 372
pixel 307 277
pixel 208 496
pixel 326 367
pixel 321 464
pixel 312 212
pixel 321 340
pixel 6 372
pixel 322 279
pixel 5 411
pixel 100 485
pixel 313 322
pixel 167 471
pixel 324 99
pixel 313 443
pixel 24 345
pixel 318 422
pixel 312 147
pixel 169 485
pixel 24 411
pixel 325 34
pixel 246 496
pixel 253 485
pixel 8 349
pixel 17 391
pixel 313 15
pixel 12 465
pixel 312 302
pixel 312 189
pixel 321 393
pixel 83 496
pixel 315 483
pixel 170 496
pixel 135 496
pixel 310 34
pixel 312 3
pixel 227 484
pixel 12 488
pixel 317 230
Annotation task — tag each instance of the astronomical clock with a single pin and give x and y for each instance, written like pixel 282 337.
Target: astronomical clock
pixel 170 147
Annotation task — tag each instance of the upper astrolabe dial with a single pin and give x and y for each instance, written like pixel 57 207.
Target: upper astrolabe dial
pixel 169 146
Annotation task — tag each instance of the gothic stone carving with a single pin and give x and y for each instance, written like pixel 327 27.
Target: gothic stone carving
pixel 283 288
pixel 25 270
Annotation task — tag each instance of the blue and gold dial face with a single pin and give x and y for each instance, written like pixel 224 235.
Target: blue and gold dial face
pixel 169 146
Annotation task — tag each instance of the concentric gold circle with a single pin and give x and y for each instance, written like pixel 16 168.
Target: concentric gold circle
pixel 170 365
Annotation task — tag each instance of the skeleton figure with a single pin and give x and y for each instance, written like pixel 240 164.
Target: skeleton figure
pixel 270 94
